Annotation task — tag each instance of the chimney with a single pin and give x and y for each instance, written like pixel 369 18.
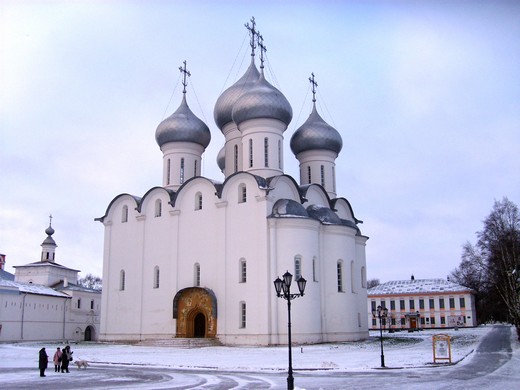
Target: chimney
pixel 2 261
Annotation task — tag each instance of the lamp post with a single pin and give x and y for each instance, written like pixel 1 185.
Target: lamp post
pixel 283 290
pixel 382 314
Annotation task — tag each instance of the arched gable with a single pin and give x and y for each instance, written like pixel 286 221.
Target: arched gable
pixel 146 205
pixel 116 205
pixel 315 194
pixel 254 186
pixel 285 187
pixel 344 209
pixel 185 196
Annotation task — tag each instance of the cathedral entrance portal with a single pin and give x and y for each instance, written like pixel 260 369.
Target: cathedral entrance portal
pixel 195 309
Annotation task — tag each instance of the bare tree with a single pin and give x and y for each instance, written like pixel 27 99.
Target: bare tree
pixel 91 281
pixel 373 282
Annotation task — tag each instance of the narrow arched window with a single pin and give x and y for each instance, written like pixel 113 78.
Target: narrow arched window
pixel 156 277
pixel 280 154
pixel 309 177
pixel 158 208
pixel 182 171
pixel 322 174
pixel 242 193
pixel 235 158
pixel 250 153
pixel 352 278
pixel 243 271
pixel 339 271
pixel 198 201
pixel 297 267
pixel 363 277
pixel 314 273
pixel 124 214
pixel 197 275
pixel 195 166
pixel 266 152
pixel 243 314
pixel 168 171
pixel 122 280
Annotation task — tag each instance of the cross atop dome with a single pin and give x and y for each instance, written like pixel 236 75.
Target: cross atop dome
pixel 185 74
pixel 253 34
pixel 263 49
pixel 314 85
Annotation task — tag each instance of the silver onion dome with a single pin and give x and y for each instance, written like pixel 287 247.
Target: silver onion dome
pixel 183 126
pixel 262 101
pixel 315 134
pixel 228 98
pixel 221 159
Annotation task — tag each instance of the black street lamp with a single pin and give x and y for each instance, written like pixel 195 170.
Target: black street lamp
pixel 382 314
pixel 283 290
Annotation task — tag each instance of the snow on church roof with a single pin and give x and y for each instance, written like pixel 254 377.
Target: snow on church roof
pixel 30 288
pixel 416 286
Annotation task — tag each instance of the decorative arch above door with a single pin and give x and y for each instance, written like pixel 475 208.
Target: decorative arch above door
pixel 195 309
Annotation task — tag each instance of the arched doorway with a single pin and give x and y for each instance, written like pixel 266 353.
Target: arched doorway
pixel 89 333
pixel 195 309
pixel 199 326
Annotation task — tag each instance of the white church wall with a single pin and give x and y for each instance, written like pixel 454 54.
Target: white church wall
pixel 283 188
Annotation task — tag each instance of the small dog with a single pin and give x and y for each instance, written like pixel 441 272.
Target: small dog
pixel 81 363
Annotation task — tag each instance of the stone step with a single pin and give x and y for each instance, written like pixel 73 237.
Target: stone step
pixel 181 342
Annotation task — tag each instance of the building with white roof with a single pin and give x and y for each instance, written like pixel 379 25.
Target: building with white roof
pixel 197 257
pixel 43 302
pixel 422 303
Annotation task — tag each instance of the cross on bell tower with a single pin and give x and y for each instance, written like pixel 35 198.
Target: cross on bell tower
pixel 314 85
pixel 185 74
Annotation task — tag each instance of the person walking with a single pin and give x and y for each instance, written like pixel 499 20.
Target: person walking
pixel 57 360
pixel 66 357
pixel 43 361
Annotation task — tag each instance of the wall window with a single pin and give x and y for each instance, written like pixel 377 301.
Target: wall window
pixel 402 305
pixel 79 303
pixel 195 166
pixel 432 320
pixel 314 265
pixel 243 315
pixel 156 277
pixel 158 208
pixel 279 154
pixel 443 320
pixel 196 275
pixel 422 321
pixel 363 277
pixel 462 302
pixel 339 272
pixel 322 174
pixel 198 201
pixel 297 267
pixel 373 305
pixel 412 304
pixel 392 305
pixel 124 214
pixel 432 303
pixel 243 271
pixel 182 171
pixel 383 304
pixel 441 303
pixel 352 278
pixel 92 305
pixel 403 321
pixel 266 152
pixel 242 193
pixel 392 321
pixel 421 304
pixel 250 153
pixel 452 303
pixel 374 322
pixel 122 280
pixel 309 177
pixel 168 171
pixel 235 158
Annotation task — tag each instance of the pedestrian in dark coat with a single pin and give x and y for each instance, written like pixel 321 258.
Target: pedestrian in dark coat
pixel 43 361
pixel 66 357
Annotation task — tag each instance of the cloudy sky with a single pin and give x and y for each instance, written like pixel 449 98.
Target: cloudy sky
pixel 426 96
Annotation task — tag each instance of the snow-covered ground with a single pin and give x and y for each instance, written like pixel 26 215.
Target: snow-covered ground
pixel 401 349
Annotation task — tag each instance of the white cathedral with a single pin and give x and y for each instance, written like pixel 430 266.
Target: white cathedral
pixel 196 258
